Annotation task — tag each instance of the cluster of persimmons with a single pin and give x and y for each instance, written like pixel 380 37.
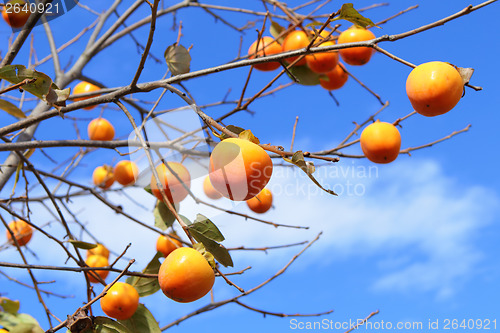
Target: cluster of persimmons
pixel 433 88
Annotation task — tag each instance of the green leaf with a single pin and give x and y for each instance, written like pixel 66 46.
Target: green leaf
pixel 108 325
pixel 19 323
pixel 11 109
pixel 9 306
pixel 204 231
pixel 248 135
pixel 147 286
pixel 82 245
pixel 275 30
pixel 220 253
pixel 178 59
pixel 304 75
pixel 202 225
pixel 141 321
pixel 164 218
pixel 26 328
pixel 307 167
pixel 185 219
pixel 148 189
pixel 348 13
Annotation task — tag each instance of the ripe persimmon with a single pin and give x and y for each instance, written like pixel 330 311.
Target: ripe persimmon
pixel 101 129
pixel 126 172
pixel 103 176
pixel 15 13
pixel 239 169
pixel 262 202
pixel 337 77
pixel 322 62
pixel 380 142
pixel 175 190
pixel 85 87
pixel 356 55
pixel 97 261
pixel 210 190
pixel 185 275
pixel 267 46
pixel 434 88
pixel 295 40
pixel 166 244
pixel 121 301
pixel 22 232
pixel 100 250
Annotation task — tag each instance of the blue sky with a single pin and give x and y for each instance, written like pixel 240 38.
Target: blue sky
pixel 415 239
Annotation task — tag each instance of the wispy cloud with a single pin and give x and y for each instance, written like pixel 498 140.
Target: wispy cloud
pixel 417 225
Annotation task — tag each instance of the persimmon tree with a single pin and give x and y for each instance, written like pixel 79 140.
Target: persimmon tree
pixel 169 138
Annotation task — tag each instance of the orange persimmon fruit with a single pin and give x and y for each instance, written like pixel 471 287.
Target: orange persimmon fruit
pixel 85 87
pixel 176 189
pixel 337 77
pixel 239 169
pixel 96 260
pixel 267 46
pixel 121 301
pixel 262 202
pixel 434 88
pixel 356 56
pixel 103 176
pixel 126 172
pixel 380 142
pixel 22 232
pixel 100 129
pixel 185 275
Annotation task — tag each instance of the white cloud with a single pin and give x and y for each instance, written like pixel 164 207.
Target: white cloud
pixel 416 224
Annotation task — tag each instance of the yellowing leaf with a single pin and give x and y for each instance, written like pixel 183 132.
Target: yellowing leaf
pixel 18 73
pixel 42 87
pixel 82 245
pixel 308 167
pixel 248 135
pixel 178 59
pixel 11 109
pixel 9 306
pixel 275 30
